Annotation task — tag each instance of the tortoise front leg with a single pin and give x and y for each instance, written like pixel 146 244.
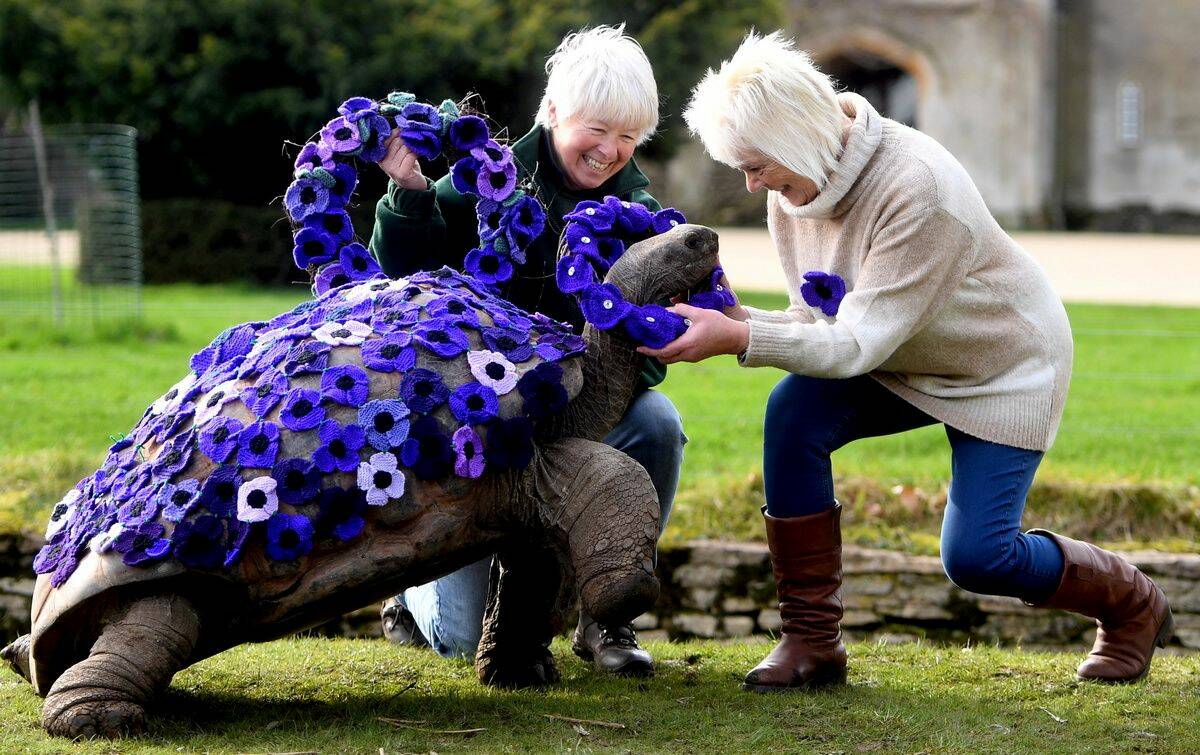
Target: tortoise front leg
pixel 527 597
pixel 140 648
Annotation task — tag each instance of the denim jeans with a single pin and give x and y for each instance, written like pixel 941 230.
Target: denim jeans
pixel 983 549
pixel 449 610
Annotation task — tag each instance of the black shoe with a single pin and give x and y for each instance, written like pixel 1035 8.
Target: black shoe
pixel 614 650
pixel 399 625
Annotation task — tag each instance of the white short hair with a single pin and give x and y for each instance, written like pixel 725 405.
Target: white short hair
pixel 602 73
pixel 769 99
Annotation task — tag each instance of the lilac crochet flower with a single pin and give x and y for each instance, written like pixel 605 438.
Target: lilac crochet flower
pixel 339 447
pixel 210 405
pixel 173 457
pixel 219 494
pixel 314 155
pixel 497 183
pixel 339 513
pixel 266 392
pixel 824 291
pixel 467 132
pixel 493 370
pixel 464 176
pixel 258 445
pixel 297 481
pixel 423 390
pixel 289 536
pixel 385 423
pixel 142 543
pixel 179 499
pixel 512 343
pixel 394 318
pixel 141 508
pixel 468 450
pixel 510 443
pixel 451 308
pixel 582 240
pixel 358 263
pixel 333 223
pixel 594 215
pixel 488 266
pixel 345 384
pixel 306 357
pixel 474 404
pixel 390 353
pixel 574 273
pixel 427 452
pixel 313 246
pixel 442 337
pixel 380 479
pixel 666 219
pixel 330 277
pixel 350 333
pixel 493 155
pixel 341 135
pixel 301 409
pixel 653 325
pixel 257 500
pixel 356 107
pixel 603 305
pixel 378 130
pixel 543 391
pixel 199 543
pixel 304 197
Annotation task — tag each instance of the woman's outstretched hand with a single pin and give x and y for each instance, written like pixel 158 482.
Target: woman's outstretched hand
pixel 709 333
pixel 401 165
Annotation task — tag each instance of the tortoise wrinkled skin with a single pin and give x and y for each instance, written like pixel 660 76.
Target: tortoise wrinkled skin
pixel 580 519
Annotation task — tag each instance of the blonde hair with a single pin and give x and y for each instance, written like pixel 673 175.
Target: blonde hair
pixel 769 99
pixel 601 73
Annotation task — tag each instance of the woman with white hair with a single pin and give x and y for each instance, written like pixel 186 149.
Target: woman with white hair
pixel 600 103
pixel 909 307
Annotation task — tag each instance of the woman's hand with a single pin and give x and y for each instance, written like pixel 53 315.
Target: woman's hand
pixel 710 333
pixel 737 311
pixel 401 165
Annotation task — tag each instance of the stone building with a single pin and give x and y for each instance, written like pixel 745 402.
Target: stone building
pixel 1067 113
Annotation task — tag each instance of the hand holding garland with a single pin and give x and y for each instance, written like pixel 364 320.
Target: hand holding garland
pixel 709 333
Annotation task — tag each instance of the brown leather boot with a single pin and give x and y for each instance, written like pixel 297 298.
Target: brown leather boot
pixel 806 552
pixel 1132 612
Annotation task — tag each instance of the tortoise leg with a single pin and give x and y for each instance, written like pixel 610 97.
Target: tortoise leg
pixel 139 649
pixel 527 598
pixel 17 655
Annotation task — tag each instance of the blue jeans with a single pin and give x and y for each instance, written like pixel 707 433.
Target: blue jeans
pixel 449 610
pixel 983 549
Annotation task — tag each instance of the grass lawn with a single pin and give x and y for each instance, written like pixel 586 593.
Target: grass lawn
pixel 1132 419
pixel 308 695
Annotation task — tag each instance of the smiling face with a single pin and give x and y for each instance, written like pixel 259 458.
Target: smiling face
pixel 591 150
pixel 762 172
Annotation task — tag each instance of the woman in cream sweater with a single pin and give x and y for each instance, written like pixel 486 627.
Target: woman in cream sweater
pixel 909 307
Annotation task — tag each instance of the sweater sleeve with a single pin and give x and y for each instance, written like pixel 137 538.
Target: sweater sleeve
pixel 422 229
pixel 911 268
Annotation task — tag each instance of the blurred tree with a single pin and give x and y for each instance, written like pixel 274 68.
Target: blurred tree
pixel 214 88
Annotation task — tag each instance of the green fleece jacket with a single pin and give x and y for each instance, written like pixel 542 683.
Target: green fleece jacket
pixel 424 230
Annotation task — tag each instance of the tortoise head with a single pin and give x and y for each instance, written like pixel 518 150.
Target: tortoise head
pixel 666 265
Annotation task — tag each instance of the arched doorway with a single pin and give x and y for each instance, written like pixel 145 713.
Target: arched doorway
pixel 889 88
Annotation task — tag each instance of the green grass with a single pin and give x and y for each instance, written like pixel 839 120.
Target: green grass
pixel 1128 443
pixel 308 695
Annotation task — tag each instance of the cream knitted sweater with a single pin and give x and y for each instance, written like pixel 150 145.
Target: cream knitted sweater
pixel 942 307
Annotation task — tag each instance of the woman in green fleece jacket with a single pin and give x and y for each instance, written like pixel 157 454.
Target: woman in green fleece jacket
pixel 600 103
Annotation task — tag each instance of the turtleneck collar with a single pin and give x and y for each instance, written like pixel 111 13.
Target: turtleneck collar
pixel 837 196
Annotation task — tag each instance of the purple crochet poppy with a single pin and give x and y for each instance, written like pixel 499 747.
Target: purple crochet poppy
pixel 594 215
pixel 474 404
pixel 419 116
pixel 512 343
pixel 219 494
pixel 718 297
pixel 141 508
pixel 345 384
pixel 340 513
pixel 610 250
pixel 390 353
pixel 345 178
pixel 266 354
pixel 234 342
pixel 497 183
pixel 329 277
pixel 262 397
pixel 442 337
pixel 341 312
pixel 306 357
pixel 653 325
pixel 341 135
pixel 301 409
pixel 142 543
pixel 202 360
pixel 289 536
pixel 574 273
pixel 493 155
pixel 333 223
pixel 297 481
pixel 423 390
pixel 258 445
pixel 427 452
pixel 634 218
pixel 236 534
pixel 385 422
pixel 424 144
pixel 488 266
pixel 339 447
pixel 131 483
pixel 468 450
pixel 305 197
pixel 179 499
pixel 313 246
pixel 314 155
pixel 824 291
pixel 464 176
pixel 582 240
pixel 174 456
pixel 467 132
pixel 356 107
pixel 510 443
pixel 526 220
pixel 666 219
pixel 543 391
pixel 379 129
pixel 358 262
pixel 452 308
pixel 603 305
pixel 395 319
pixel 50 555
pixel 199 543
